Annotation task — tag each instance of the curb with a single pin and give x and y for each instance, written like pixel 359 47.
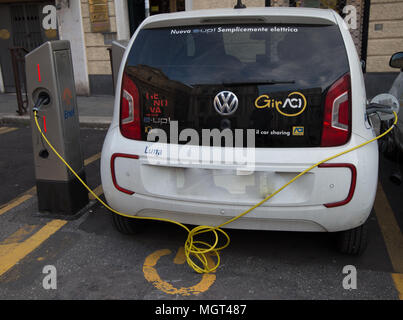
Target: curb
pixel 85 121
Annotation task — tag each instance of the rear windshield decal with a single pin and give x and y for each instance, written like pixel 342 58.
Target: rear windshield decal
pixel 155 104
pixel 297 131
pixel 233 30
pixel 294 105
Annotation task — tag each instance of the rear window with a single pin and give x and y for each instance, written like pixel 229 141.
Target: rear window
pixel 186 67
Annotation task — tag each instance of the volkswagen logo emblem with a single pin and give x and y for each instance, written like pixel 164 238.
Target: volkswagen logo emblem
pixel 226 103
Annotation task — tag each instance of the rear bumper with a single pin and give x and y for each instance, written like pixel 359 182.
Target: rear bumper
pixel 302 218
pixel 296 208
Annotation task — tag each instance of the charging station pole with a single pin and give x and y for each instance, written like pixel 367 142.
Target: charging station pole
pixel 49 72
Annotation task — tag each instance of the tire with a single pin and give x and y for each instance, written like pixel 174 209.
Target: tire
pixel 354 241
pixel 126 225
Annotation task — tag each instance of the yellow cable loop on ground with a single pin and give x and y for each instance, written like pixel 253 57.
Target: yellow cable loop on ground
pixel 200 249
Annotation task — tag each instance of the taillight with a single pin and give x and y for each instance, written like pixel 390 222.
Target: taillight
pixel 113 172
pixel 130 125
pixel 337 117
pixel 353 183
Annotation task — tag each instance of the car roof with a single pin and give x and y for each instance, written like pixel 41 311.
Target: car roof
pixel 249 15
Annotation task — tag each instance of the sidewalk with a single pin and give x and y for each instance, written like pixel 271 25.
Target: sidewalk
pixel 94 111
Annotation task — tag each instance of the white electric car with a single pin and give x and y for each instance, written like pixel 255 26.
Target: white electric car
pixel 279 89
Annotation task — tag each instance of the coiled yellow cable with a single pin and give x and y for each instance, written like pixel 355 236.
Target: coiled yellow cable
pixel 200 249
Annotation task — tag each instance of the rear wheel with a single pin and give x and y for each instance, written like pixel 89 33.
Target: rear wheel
pixel 354 241
pixel 126 225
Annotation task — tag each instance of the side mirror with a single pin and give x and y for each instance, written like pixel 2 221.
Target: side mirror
pixel 385 103
pixel 363 65
pixel 396 61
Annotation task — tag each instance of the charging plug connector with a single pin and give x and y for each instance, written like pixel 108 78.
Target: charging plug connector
pixel 43 100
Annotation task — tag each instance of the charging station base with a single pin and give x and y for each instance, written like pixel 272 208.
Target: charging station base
pixel 62 197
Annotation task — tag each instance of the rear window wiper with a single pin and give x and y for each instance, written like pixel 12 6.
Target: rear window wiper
pixel 269 82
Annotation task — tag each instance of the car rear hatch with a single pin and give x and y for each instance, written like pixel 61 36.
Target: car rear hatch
pixel 279 75
pixel 289 84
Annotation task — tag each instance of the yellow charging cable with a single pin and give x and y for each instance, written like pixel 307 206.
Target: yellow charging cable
pixel 200 249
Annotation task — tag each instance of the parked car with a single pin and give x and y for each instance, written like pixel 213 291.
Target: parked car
pixel 291 75
pixel 396 90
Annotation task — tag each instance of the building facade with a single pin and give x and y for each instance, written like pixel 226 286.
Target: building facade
pixel 385 34
pixel 92 25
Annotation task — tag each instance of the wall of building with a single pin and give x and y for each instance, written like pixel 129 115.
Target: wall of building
pixel 71 28
pixel 122 20
pixel 97 43
pixel 385 34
